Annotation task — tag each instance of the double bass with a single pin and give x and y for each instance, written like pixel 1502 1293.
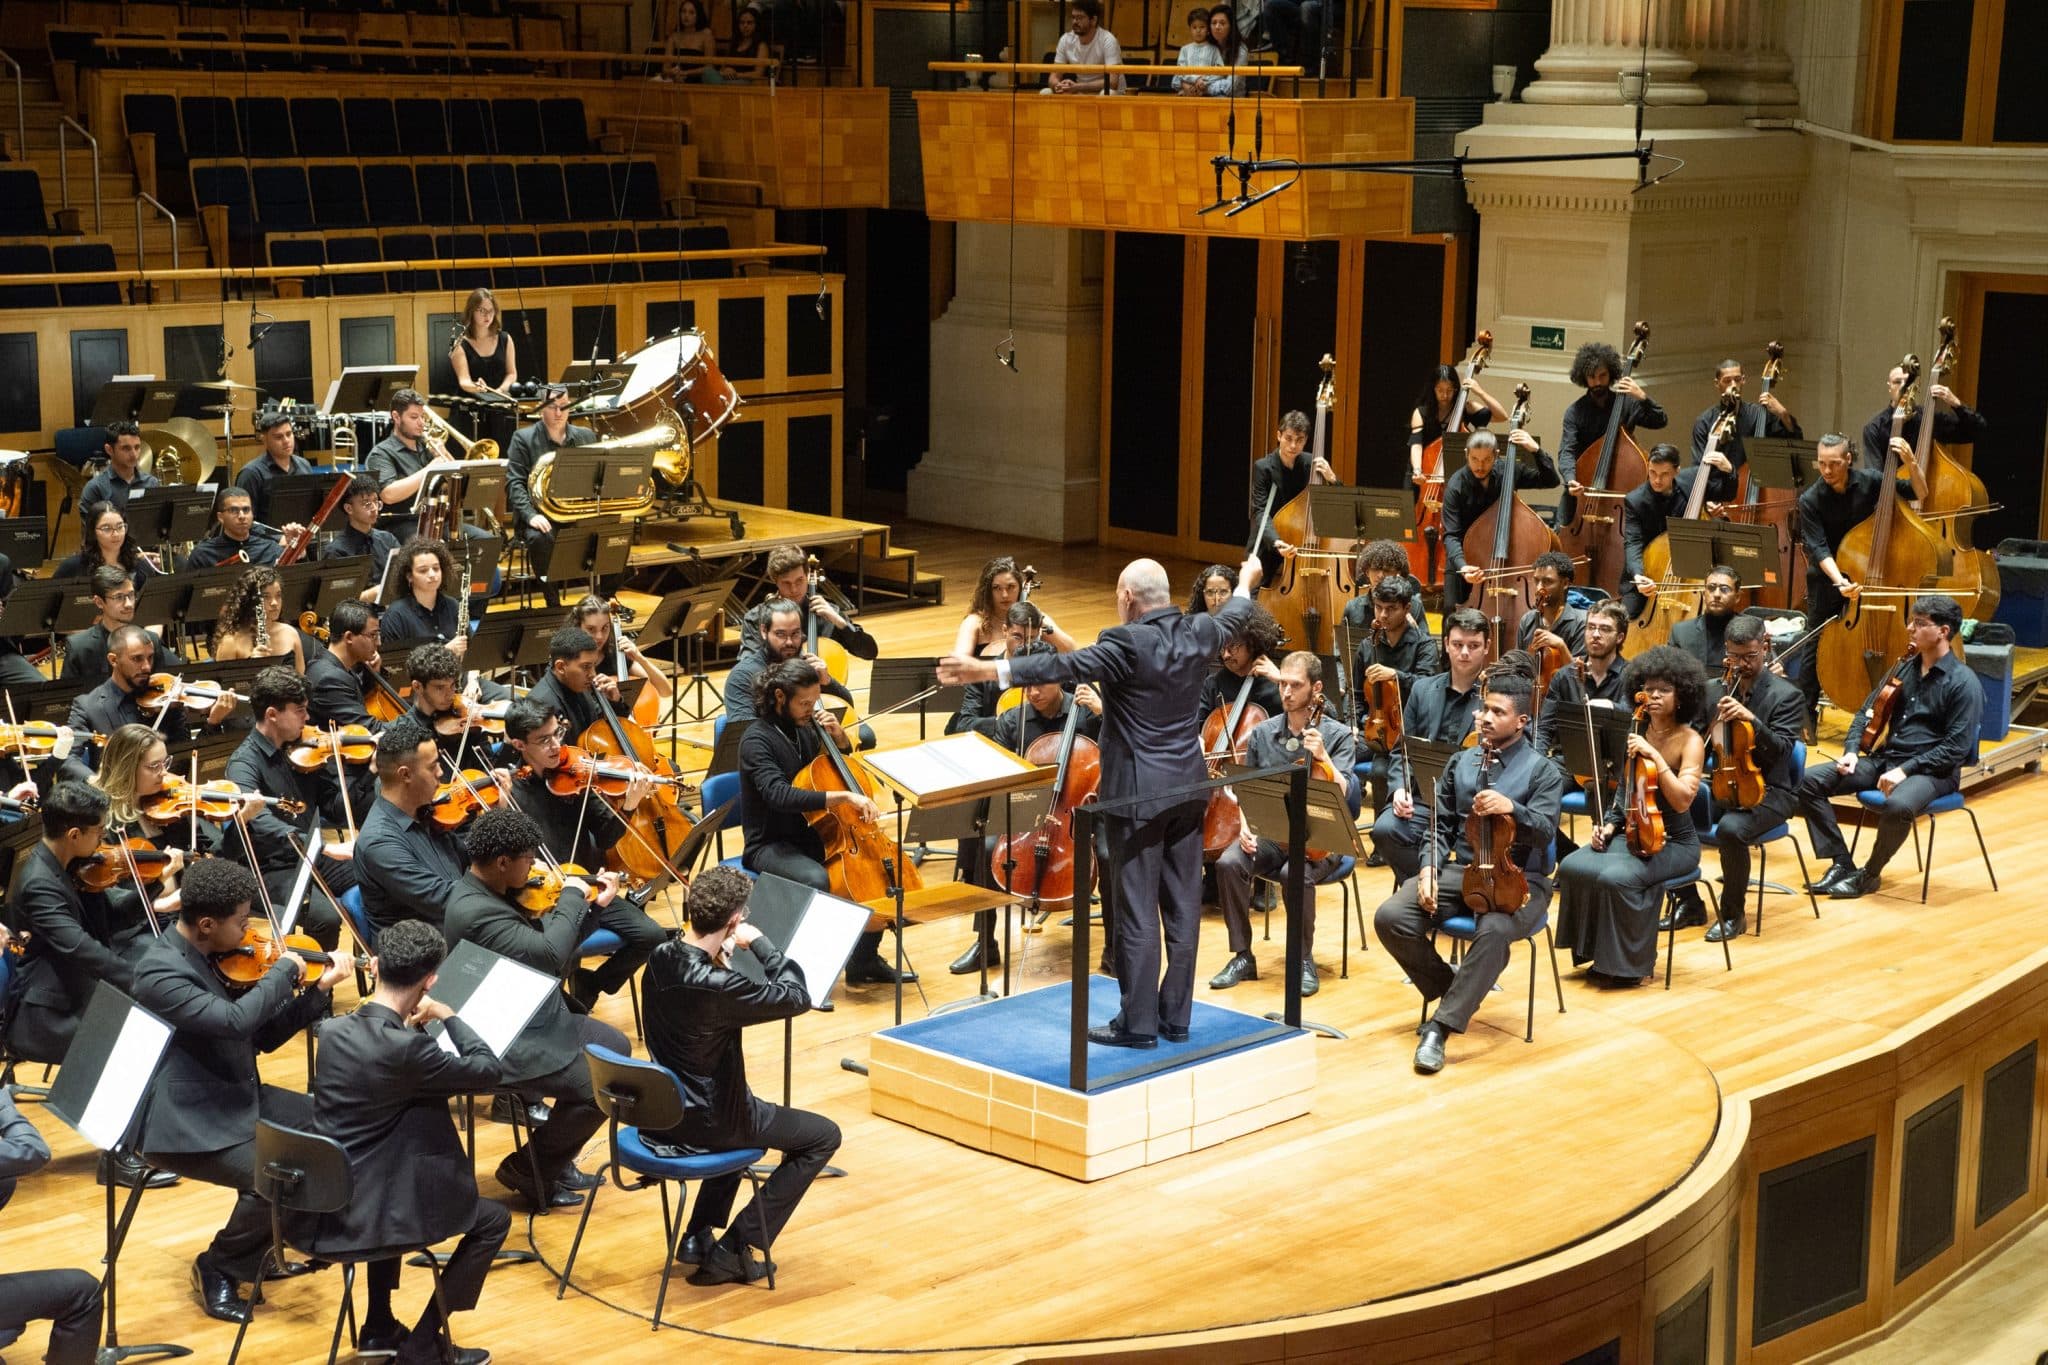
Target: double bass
pixel 1955 495
pixel 1779 509
pixel 1512 536
pixel 1679 599
pixel 1894 555
pixel 1424 564
pixel 1618 468
pixel 1309 595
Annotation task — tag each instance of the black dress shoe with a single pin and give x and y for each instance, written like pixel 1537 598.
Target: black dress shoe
pixel 579 1180
pixel 1241 967
pixel 1429 1053
pixel 219 1295
pixel 1110 1035
pixel 1727 930
pixel 291 1270
pixel 696 1246
pixel 724 1265
pixel 375 1343
pixel 1173 1033
pixel 515 1175
pixel 1825 882
pixel 1854 885
pixel 127 1169
pixel 1309 984
pixel 969 962
pixel 1375 859
pixel 876 971
pixel 1685 910
pixel 583 989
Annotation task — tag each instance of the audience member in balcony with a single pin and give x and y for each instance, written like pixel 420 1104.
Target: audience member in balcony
pixel 1086 43
pixel 748 41
pixel 690 37
pixel 1197 51
pixel 1226 47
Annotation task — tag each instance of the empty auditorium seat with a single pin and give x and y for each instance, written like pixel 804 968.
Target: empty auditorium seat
pixel 589 184
pixel 564 131
pixel 225 183
pixel 422 129
pixel 469 127
pixel 520 244
pixel 156 115
pixel 317 126
pixel 21 202
pixel 345 248
pixel 210 128
pixel 443 198
pixel 281 60
pixel 636 189
pixel 409 245
pixel 712 237
pixel 300 249
pixel 202 58
pixel 283 201
pixel 542 196
pixel 467 245
pixel 26 258
pixel 668 241
pixel 266 126
pixel 566 242
pixel 517 126
pixel 389 195
pixel 611 239
pixel 337 188
pixel 79 257
pixel 372 127
pixel 493 193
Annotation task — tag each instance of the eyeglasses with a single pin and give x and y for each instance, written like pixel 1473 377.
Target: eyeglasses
pixel 121 597
pixel 160 765
pixel 114 528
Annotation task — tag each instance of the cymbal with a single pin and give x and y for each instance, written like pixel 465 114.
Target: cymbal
pixel 225 385
pixel 222 408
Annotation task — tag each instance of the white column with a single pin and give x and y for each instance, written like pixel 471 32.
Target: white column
pixel 1591 41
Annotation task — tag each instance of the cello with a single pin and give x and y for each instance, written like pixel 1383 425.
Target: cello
pixel 1894 555
pixel 1513 536
pixel 1778 509
pixel 1043 858
pixel 1678 599
pixel 1222 822
pixel 1309 595
pixel 1955 495
pixel 1423 563
pixel 861 861
pixel 1619 467
pixel 658 825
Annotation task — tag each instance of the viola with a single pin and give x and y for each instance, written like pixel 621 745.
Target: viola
pixel 1429 504
pixel 1493 880
pixel 1043 858
pixel 578 770
pixel 1321 767
pixel 1222 823
pixel 543 889
pixel 35 740
pixel 214 802
pixel 317 747
pixel 862 862
pixel 456 803
pixel 1738 777
pixel 1382 728
pixel 242 967
pixel 167 688
pixel 1644 818
pixel 107 866
pixel 1882 703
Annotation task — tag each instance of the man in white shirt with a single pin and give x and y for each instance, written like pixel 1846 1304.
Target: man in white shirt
pixel 1086 43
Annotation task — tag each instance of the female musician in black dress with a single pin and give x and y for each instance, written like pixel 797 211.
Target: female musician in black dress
pixel 250 624
pixel 1212 589
pixel 1608 893
pixel 423 610
pixel 1433 410
pixel 486 366
pixel 110 543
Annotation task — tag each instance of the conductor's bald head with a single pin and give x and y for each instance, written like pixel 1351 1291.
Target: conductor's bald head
pixel 1142 587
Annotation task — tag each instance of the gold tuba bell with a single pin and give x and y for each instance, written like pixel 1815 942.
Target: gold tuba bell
pixel 641 444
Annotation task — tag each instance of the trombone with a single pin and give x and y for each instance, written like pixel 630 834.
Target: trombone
pixel 438 431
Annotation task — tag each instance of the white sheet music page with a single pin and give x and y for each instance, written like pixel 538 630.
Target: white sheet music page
pixel 939 768
pixel 501 1004
pixel 824 939
pixel 126 1076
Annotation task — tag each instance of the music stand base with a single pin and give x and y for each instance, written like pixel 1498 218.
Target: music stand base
pixel 502 1257
pixel 111 1355
pixel 1320 1030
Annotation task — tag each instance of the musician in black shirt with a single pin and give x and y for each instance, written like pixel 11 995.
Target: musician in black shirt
pixel 1468 492
pixel 282 840
pixel 1702 636
pixel 1955 422
pixel 1553 620
pixel 1397 650
pixel 1594 369
pixel 1247 653
pixel 551 433
pixel 1377 559
pixel 235 537
pixel 1645 512
pixel 1829 508
pixel 362 535
pixel 1282 474
pixel 1439 710
pixel 1601 685
pixel 1772 706
pixel 85 651
pixel 1933 733
pixel 122 478
pixel 1766 417
pixel 280 457
pixel 788 572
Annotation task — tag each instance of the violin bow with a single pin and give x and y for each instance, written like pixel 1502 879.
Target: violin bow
pixel 341 779
pixel 156 927
pixel 358 960
pixel 1592 743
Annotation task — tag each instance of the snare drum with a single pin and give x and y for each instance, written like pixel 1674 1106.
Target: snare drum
pixel 676 372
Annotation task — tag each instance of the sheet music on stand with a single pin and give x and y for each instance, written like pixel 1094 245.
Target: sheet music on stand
pixel 811 928
pixel 1578 746
pixel 954 768
pixel 491 993
pixel 1427 760
pixel 108 1067
pixel 893 682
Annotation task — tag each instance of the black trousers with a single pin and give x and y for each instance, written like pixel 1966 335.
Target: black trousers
pixel 17 671
pixel 1822 601
pixel 798 864
pixel 237 1249
pixel 1735 833
pixel 1157 864
pixel 1894 818
pixel 462 1279
pixel 576 1115
pixel 1404 928
pixel 1235 871
pixel 540 547
pixel 1400 841
pixel 638 935
pixel 70 1299
pixel 806 1142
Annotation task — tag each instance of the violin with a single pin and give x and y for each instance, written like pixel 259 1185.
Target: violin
pixel 317 747
pixel 1738 777
pixel 1043 858
pixel 862 862
pixel 166 688
pixel 215 802
pixel 1222 822
pixel 309 622
pixel 1882 703
pixel 543 889
pixel 1549 659
pixel 578 770
pixel 1493 880
pixel 458 802
pixel 36 740
pixel 1644 818
pixel 1382 728
pixel 107 866
pixel 242 967
pixel 1322 767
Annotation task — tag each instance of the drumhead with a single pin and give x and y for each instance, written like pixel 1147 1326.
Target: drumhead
pixel 656 365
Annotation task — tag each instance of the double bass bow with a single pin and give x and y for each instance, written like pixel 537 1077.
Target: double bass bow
pixel 1513 536
pixel 1618 467
pixel 1423 564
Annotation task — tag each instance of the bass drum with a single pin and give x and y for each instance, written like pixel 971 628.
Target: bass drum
pixel 677 373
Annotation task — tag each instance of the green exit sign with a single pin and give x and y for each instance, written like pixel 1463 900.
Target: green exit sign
pixel 1546 338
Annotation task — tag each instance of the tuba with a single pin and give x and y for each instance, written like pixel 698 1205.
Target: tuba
pixel 646 445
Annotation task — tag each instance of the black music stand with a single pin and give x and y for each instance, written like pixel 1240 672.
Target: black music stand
pixel 105 1077
pixel 296 497
pixel 893 682
pixel 725 756
pixel 1780 461
pixel 1346 516
pixel 1315 812
pixel 25 540
pixel 684 614
pixel 1427 761
pixel 368 388
pixel 475 556
pixel 1753 550
pixel 593 549
pixel 1599 751
pixel 170 514
pixel 187 601
pixel 49 702
pixel 120 400
pixel 531 628
pixel 582 475
pixel 502 639
pixel 77 610
pixel 35 604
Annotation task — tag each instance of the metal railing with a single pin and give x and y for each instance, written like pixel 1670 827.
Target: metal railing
pixel 144 197
pixel 20 108
pixel 64 169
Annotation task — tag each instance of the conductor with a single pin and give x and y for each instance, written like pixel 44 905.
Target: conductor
pixel 1150 671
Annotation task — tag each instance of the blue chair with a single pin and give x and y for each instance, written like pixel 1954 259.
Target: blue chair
pixel 1940 805
pixel 602 943
pixel 1668 893
pixel 643 1096
pixel 1782 830
pixel 718 789
pixel 1463 928
pixel 350 903
pixel 8 1060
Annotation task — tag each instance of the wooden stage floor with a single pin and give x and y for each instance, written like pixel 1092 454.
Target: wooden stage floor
pixel 1394 1184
